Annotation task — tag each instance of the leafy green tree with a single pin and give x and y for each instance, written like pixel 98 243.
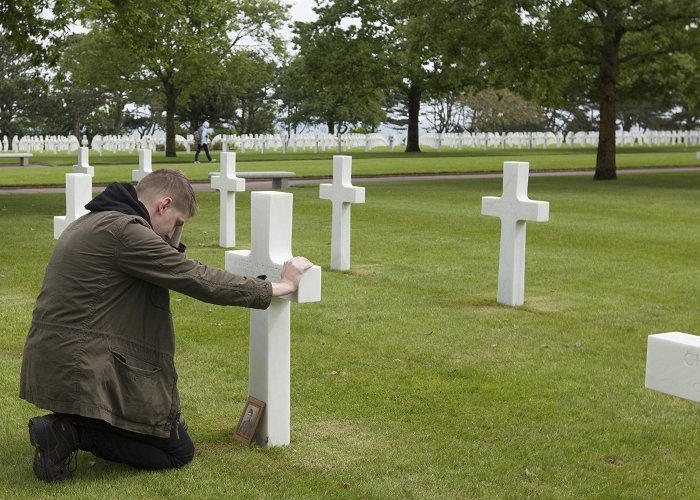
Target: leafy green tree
pixel 291 92
pixel 664 96
pixel 253 79
pixel 94 79
pixel 598 44
pixel 427 49
pixel 337 77
pixel 20 88
pixel 34 27
pixel 180 44
pixel 241 97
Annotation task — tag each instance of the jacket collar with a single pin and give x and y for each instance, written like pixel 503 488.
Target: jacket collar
pixel 119 197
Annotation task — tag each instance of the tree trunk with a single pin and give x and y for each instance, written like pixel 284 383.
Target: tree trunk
pixel 76 124
pixel 170 99
pixel 605 164
pixel 412 142
pixel 118 119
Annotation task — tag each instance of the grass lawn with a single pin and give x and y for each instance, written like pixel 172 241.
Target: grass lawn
pixel 50 168
pixel 408 379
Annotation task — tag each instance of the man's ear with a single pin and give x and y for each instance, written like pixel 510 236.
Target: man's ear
pixel 164 203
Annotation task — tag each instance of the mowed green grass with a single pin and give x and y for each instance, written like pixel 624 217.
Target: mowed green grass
pixel 408 379
pixel 50 168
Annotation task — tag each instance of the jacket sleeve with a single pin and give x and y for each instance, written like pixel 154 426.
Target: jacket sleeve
pixel 142 254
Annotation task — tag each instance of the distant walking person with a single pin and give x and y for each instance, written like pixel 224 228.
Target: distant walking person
pixel 202 140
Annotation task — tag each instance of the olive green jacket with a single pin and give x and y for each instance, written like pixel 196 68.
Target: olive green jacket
pixel 101 343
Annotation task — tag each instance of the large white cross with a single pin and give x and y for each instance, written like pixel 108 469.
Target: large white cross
pixel 145 165
pixel 83 166
pixel 514 209
pixel 269 362
pixel 228 184
pixel 78 194
pixel 342 193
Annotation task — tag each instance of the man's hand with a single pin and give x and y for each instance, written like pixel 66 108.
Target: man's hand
pixel 291 274
pixel 174 240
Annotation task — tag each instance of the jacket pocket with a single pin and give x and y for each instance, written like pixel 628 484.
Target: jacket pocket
pixel 139 390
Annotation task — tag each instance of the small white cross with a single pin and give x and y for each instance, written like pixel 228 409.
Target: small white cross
pixel 145 165
pixel 78 194
pixel 342 193
pixel 269 362
pixel 514 209
pixel 228 184
pixel 83 166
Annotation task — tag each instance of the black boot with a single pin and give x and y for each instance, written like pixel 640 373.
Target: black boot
pixel 56 441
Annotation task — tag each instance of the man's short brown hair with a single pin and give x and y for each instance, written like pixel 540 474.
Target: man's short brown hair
pixel 168 182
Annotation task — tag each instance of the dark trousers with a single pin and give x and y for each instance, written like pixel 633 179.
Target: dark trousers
pixel 204 147
pixel 138 450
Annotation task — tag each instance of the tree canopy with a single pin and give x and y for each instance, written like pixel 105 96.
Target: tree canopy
pixel 593 48
pixel 180 44
pixel 461 65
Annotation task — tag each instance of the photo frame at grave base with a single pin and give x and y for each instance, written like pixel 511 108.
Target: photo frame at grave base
pixel 248 423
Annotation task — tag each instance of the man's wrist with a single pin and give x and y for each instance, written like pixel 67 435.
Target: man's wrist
pixel 282 288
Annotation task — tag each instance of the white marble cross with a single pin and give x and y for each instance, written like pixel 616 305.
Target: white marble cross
pixel 145 165
pixel 673 364
pixel 78 194
pixel 83 166
pixel 514 209
pixel 269 362
pixel 342 193
pixel 228 184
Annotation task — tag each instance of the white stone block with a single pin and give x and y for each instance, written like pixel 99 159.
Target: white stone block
pixel 78 194
pixel 673 364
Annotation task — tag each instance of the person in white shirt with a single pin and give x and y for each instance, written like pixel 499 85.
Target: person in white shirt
pixel 203 142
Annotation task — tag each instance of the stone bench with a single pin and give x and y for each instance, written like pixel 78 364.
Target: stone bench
pixel 23 157
pixel 280 180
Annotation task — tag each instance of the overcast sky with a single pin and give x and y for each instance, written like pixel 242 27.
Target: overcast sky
pixel 301 10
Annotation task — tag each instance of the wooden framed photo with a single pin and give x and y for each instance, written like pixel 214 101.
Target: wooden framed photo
pixel 248 423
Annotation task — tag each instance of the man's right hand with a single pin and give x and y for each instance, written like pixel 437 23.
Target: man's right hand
pixel 292 271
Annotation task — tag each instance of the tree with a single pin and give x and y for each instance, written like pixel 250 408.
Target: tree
pixel 599 42
pixel 500 111
pixel 93 74
pixel 240 97
pixel 429 48
pixel 292 94
pixel 20 89
pixel 338 76
pixel 446 115
pixel 180 44
pixel 34 26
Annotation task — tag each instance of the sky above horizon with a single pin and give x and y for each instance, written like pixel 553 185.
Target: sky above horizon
pixel 301 10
